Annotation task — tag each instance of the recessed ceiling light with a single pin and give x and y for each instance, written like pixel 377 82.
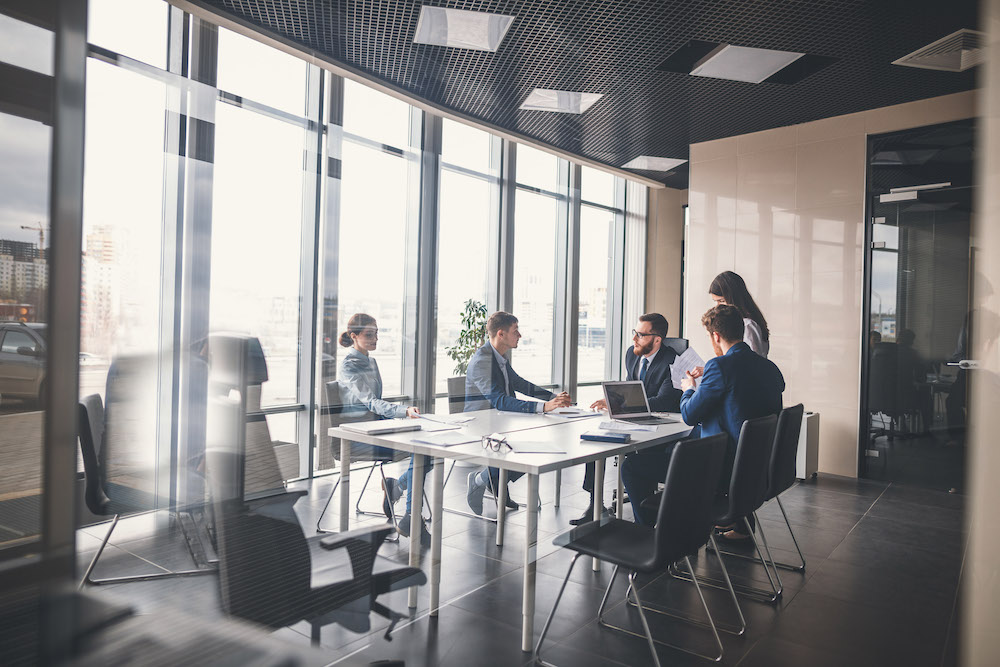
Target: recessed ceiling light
pixel 461 29
pixel 743 63
pixel 649 163
pixel 563 101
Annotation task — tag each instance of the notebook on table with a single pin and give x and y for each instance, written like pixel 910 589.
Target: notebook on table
pixel 627 402
pixel 383 426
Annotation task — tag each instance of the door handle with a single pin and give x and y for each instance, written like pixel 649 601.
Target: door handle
pixel 965 364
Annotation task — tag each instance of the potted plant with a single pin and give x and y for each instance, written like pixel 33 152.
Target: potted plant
pixel 470 339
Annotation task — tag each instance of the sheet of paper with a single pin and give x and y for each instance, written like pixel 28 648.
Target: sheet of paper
pixel 682 364
pixel 625 426
pixel 446 438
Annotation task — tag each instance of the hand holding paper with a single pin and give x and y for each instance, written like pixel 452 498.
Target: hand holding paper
pixel 688 361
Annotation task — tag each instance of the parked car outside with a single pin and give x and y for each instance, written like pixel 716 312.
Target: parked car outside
pixel 22 361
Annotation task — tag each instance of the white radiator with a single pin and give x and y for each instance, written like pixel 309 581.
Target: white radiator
pixel 807 460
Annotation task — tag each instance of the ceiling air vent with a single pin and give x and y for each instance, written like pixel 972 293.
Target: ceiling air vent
pixel 955 53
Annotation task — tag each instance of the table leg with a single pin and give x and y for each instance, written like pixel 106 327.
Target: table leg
pixel 598 498
pixel 620 509
pixel 501 496
pixel 558 486
pixel 437 509
pixel 345 484
pixel 416 507
pixel 530 552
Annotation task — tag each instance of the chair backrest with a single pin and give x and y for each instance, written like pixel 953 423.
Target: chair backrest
pixel 340 411
pixel 456 394
pixel 685 516
pixel 678 345
pixel 786 448
pixel 90 417
pixel 748 485
pixel 264 561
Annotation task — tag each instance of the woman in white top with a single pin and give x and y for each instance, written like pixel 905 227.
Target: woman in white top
pixel 728 288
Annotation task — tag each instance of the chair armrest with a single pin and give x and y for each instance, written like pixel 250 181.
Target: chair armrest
pixel 362 544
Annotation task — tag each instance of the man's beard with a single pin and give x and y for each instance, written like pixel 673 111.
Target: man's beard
pixel 641 350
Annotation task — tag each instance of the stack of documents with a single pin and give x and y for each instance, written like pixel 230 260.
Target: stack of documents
pixel 573 413
pixel 625 426
pixel 682 364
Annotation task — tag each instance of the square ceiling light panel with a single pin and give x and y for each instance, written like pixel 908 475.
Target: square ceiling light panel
pixel 561 101
pixel 743 63
pixel 650 163
pixel 461 29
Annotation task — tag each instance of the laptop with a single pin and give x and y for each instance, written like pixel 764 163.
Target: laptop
pixel 627 402
pixel 383 426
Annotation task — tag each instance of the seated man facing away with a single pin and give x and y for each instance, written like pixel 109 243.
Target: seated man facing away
pixel 647 360
pixel 737 384
pixel 491 383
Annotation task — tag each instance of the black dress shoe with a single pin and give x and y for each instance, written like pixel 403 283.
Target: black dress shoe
pixel 588 516
pixel 511 505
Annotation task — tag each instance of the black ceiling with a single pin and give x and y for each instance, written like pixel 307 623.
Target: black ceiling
pixel 614 47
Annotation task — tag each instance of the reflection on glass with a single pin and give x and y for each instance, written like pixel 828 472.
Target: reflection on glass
pixel 256 240
pixel 538 169
pixel 112 23
pixel 597 187
pixel 257 72
pixel 26 45
pixel 465 146
pixel 596 229
pixel 376 116
pixel 463 261
pixel 24 234
pixel 373 210
pixel 534 283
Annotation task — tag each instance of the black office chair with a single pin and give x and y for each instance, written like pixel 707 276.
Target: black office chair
pixel 678 345
pixel 105 498
pixel 782 473
pixel 747 489
pixel 270 574
pixel 684 524
pixel 336 412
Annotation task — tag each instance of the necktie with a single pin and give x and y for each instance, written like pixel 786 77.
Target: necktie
pixel 642 369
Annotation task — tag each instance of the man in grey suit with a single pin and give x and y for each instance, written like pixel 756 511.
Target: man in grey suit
pixel 491 383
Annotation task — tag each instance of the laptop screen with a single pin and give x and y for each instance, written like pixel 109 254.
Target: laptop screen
pixel 625 398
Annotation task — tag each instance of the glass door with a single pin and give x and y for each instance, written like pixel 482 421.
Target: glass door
pixel 914 390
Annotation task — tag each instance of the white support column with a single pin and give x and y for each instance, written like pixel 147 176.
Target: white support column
pixel 437 509
pixel 530 553
pixel 598 498
pixel 501 496
pixel 416 508
pixel 345 484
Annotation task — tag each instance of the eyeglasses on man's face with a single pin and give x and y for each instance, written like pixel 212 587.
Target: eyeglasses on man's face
pixel 496 442
pixel 639 334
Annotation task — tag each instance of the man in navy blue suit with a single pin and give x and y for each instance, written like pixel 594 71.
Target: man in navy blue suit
pixel 736 385
pixel 647 360
pixel 491 383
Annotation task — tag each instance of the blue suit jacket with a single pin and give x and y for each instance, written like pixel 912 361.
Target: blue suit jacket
pixel 485 387
pixel 737 386
pixel 663 397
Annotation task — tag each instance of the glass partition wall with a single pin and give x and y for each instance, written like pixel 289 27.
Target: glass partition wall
pixel 272 202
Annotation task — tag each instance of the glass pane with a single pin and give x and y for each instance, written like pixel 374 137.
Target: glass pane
pixel 256 240
pixel 465 146
pixel 596 229
pixel 26 45
pixel 534 284
pixel 24 231
pixel 538 169
pixel 597 186
pixel 376 116
pixel 463 261
pixel 122 351
pixel 372 259
pixel 112 24
pixel 260 73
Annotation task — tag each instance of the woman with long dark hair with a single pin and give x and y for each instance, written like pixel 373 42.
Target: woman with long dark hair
pixel 729 288
pixel 360 375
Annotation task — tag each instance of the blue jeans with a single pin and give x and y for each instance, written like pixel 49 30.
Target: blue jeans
pixel 406 477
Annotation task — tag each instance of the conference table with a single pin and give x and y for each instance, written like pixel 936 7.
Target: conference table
pixel 546 442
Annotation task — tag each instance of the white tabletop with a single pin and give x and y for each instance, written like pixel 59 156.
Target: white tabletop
pixel 524 428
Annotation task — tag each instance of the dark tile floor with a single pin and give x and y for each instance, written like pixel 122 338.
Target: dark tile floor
pixel 880 588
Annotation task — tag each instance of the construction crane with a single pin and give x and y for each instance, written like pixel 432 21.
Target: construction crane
pixel 41 237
